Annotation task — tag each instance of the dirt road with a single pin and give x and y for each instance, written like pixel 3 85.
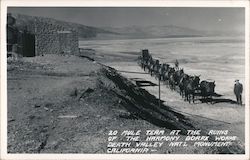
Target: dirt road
pixel 221 115
pixel 64 104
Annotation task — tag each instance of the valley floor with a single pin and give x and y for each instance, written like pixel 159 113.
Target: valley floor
pixel 67 104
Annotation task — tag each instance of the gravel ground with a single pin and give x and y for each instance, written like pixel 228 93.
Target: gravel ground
pixel 68 104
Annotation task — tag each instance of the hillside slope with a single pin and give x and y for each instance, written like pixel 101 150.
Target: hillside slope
pixel 25 21
pixel 84 31
pixel 68 104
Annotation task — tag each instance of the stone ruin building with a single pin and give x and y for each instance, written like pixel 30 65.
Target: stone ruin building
pixel 38 37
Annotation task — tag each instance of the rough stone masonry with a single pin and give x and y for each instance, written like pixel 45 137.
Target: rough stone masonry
pixel 54 39
pixel 50 37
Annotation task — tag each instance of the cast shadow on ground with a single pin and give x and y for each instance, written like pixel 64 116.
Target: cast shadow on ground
pixel 142 83
pixel 214 99
pixel 217 100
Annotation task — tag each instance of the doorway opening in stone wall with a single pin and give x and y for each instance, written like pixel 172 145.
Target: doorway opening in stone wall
pixel 28 44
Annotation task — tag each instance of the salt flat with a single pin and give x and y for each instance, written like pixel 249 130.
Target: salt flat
pixel 221 59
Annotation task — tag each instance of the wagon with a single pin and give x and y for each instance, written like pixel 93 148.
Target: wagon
pixel 145 54
pixel 207 88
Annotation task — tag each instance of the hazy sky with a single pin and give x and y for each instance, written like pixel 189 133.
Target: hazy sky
pixel 196 18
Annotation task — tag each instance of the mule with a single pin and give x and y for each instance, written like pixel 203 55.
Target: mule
pixel 182 83
pixel 191 85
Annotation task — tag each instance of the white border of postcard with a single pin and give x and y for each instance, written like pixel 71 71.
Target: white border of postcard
pixel 116 3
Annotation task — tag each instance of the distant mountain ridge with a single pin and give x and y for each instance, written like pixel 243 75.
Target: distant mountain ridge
pixel 127 32
pixel 156 31
pixel 84 31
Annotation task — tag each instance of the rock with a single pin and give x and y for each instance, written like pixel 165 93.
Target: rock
pixel 11 120
pixel 37 106
pixel 32 117
pixel 68 116
pixel 86 117
pixel 74 93
pixel 87 91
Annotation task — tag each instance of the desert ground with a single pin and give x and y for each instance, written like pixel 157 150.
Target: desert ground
pixel 214 58
pixel 68 104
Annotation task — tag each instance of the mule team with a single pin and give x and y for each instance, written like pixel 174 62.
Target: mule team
pixel 189 86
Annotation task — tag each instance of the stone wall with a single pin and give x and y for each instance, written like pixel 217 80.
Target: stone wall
pixel 52 38
pixel 46 44
pixel 68 42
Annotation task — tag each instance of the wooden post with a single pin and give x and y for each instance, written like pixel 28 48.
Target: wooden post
pixel 159 92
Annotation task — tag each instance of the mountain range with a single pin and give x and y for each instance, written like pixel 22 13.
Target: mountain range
pixel 90 32
pixel 84 31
